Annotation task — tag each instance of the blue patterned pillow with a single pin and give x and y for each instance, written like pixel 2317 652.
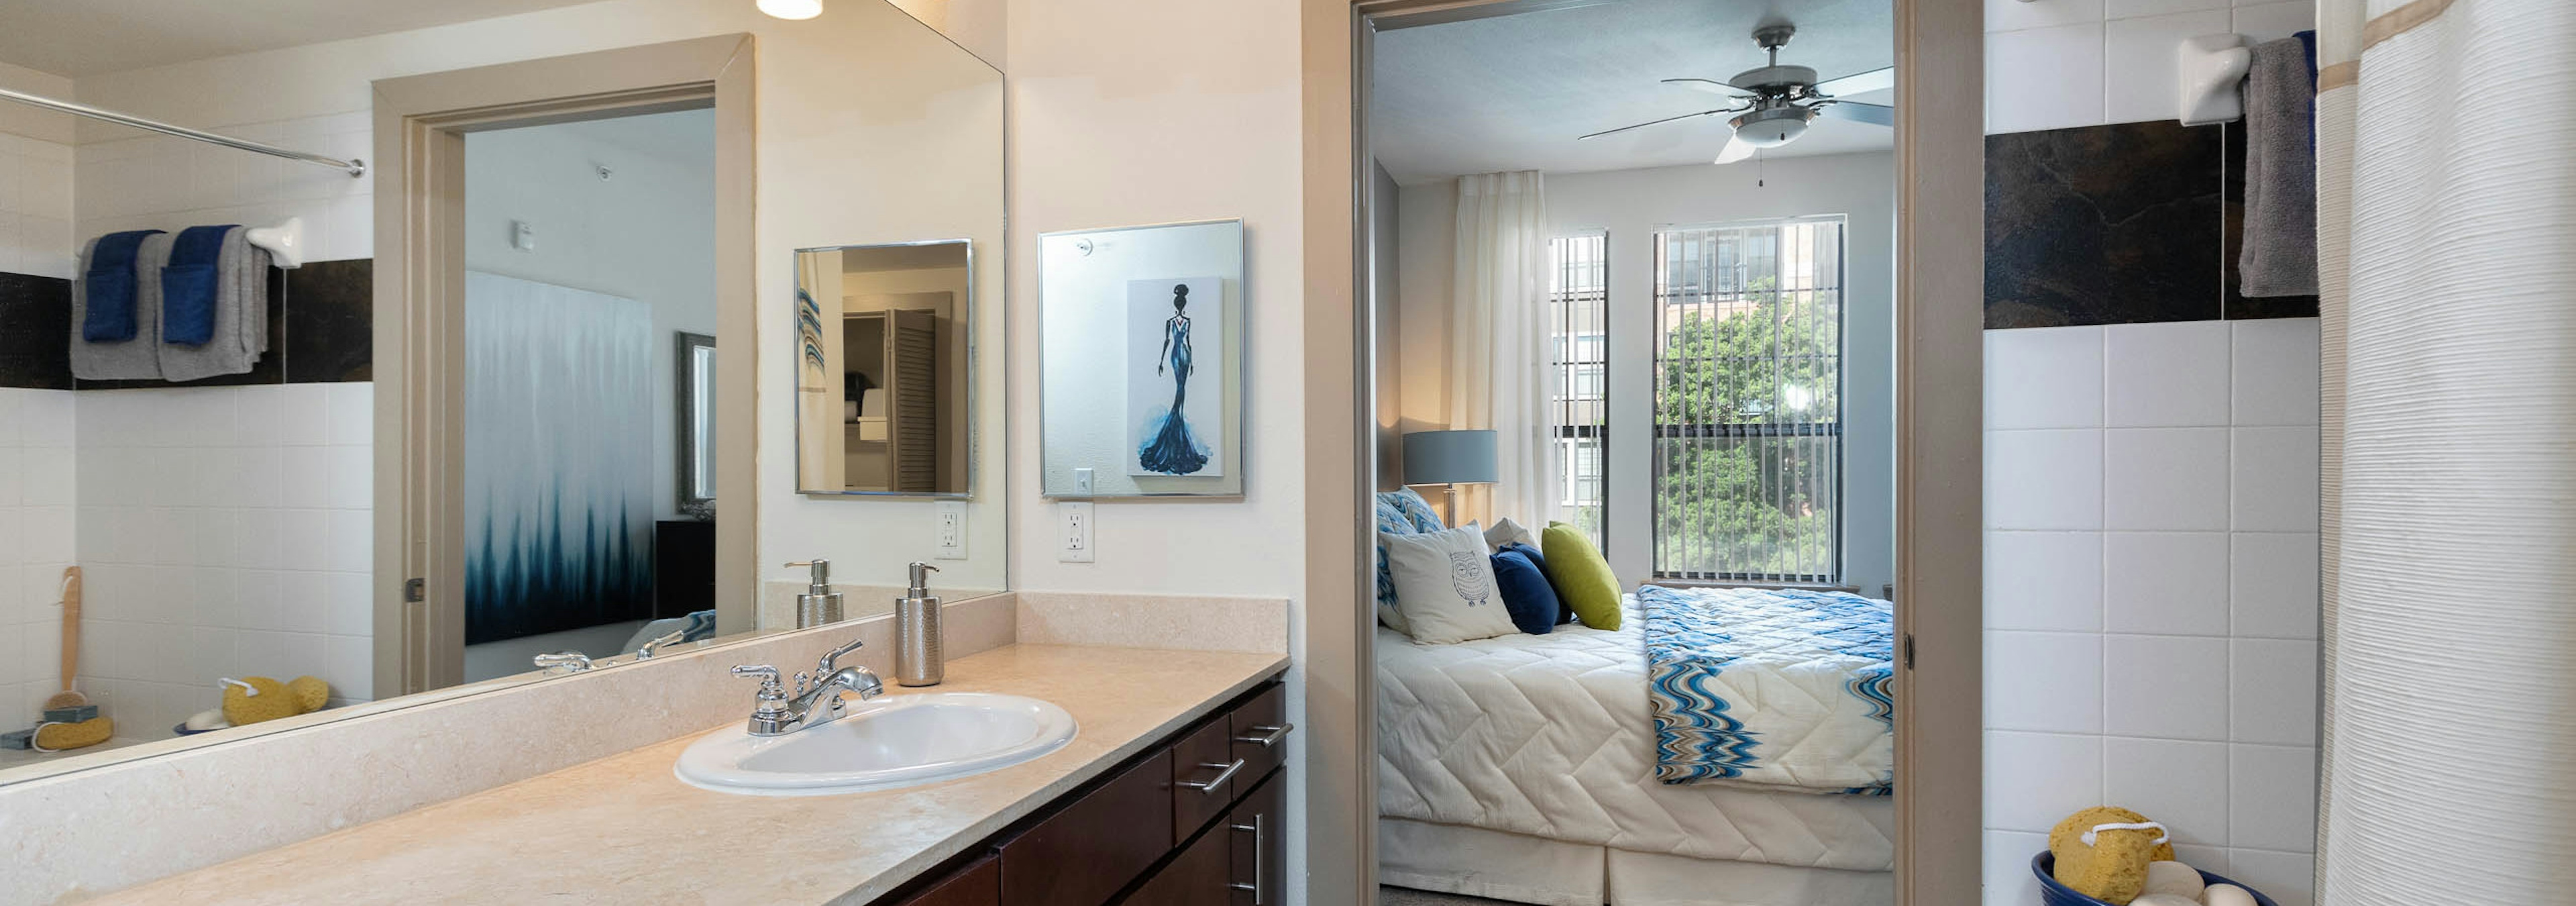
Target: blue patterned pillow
pixel 1401 512
pixel 1416 510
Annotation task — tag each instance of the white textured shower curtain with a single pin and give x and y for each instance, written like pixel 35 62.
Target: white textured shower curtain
pixel 2447 258
pixel 1498 339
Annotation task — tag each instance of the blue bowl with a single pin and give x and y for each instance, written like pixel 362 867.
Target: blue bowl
pixel 2056 894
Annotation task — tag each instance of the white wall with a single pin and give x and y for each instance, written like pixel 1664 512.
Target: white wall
pixel 35 179
pixel 37 524
pixel 2051 64
pixel 2151 591
pixel 2080 601
pixel 1631 205
pixel 842 159
pixel 646 233
pixel 1129 112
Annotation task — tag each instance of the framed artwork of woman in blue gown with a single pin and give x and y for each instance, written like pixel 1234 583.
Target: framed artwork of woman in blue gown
pixel 1141 360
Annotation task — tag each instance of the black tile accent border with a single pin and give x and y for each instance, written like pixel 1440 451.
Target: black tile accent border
pixel 35 332
pixel 321 329
pixel 2108 224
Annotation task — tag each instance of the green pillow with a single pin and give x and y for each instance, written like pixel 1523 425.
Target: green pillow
pixel 1582 577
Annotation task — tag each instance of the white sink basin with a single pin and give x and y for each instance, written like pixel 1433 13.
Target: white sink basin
pixel 894 741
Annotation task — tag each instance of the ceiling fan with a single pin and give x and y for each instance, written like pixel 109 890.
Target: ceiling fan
pixel 1773 103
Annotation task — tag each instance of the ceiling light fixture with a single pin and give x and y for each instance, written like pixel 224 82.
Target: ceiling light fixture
pixel 792 9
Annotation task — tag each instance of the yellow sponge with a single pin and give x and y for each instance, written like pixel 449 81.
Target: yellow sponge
pixel 311 693
pixel 72 736
pixel 263 699
pixel 2113 866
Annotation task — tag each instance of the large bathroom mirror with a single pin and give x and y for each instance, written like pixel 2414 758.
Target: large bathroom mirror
pixel 884 369
pixel 490 441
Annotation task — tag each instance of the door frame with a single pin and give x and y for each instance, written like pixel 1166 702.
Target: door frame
pixel 420 127
pixel 1940 154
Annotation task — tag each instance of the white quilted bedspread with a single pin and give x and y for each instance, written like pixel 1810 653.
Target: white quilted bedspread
pixel 1549 736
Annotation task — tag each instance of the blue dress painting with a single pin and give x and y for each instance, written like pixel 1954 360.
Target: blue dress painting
pixel 1170 447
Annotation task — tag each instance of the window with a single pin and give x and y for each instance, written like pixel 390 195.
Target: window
pixel 1579 410
pixel 1748 402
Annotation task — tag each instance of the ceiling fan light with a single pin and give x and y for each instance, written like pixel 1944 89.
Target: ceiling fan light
pixel 1772 127
pixel 791 9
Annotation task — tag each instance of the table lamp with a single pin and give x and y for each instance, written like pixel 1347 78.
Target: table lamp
pixel 1450 458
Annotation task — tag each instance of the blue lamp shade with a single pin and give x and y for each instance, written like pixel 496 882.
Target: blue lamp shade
pixel 1450 457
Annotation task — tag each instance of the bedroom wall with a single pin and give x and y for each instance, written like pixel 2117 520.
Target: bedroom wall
pixel 2151 590
pixel 1631 205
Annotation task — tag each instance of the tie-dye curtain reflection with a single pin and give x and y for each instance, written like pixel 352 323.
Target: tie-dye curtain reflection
pixel 558 458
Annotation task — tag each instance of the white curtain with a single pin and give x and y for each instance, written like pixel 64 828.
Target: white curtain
pixel 1498 340
pixel 2447 241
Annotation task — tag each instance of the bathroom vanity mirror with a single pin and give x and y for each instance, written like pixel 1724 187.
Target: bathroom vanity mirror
pixel 885 369
pixel 1142 360
pixel 505 447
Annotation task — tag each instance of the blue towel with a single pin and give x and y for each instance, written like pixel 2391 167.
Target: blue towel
pixel 110 287
pixel 188 294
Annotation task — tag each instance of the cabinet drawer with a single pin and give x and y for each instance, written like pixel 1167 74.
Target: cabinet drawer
pixel 1204 777
pixel 1084 854
pixel 1196 877
pixel 1261 732
pixel 1259 845
pixel 977 884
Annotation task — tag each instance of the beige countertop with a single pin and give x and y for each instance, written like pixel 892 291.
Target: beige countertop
pixel 624 830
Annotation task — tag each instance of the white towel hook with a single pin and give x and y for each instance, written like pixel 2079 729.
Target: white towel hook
pixel 2210 66
pixel 284 242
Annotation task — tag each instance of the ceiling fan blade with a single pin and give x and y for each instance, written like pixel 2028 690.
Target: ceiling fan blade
pixel 1859 83
pixel 1736 149
pixel 1711 86
pixel 1875 114
pixel 1659 122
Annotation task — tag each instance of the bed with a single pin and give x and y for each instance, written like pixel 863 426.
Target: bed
pixel 1523 768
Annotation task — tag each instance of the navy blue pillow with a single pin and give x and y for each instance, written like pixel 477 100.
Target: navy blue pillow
pixel 1526 594
pixel 1564 614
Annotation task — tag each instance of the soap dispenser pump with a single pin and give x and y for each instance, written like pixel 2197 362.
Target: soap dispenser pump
pixel 919 659
pixel 819 604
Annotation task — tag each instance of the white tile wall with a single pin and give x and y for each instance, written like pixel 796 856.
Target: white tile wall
pixel 37 522
pixel 2151 591
pixel 159 182
pixel 225 532
pixel 2052 64
pixel 35 207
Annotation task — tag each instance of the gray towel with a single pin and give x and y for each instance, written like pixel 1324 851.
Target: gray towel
pixel 125 359
pixel 2279 257
pixel 241 315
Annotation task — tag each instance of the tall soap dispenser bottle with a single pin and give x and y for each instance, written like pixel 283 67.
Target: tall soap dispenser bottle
pixel 919 659
pixel 819 604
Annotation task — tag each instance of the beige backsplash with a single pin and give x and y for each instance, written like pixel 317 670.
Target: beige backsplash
pixel 1182 622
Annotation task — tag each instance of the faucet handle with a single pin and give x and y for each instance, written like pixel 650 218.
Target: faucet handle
pixel 770 690
pixel 571 661
pixel 832 661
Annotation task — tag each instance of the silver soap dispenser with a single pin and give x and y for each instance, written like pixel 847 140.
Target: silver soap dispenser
pixel 918 659
pixel 819 604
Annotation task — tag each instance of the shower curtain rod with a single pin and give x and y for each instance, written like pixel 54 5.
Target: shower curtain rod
pixel 354 166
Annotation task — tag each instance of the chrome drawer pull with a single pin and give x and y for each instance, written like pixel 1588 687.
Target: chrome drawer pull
pixel 1271 735
pixel 1210 786
pixel 1260 831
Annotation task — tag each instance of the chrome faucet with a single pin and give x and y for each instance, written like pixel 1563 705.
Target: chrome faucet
pixel 566 661
pixel 779 713
pixel 654 646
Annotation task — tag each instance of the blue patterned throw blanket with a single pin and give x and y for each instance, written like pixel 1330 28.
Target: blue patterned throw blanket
pixel 1771 689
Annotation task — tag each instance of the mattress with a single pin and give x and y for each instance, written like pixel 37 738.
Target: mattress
pixel 1550 736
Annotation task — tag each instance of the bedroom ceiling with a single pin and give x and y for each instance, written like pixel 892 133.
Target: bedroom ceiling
pixel 86 37
pixel 1512 92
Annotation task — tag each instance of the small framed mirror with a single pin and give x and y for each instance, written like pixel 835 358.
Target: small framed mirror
pixel 694 396
pixel 884 396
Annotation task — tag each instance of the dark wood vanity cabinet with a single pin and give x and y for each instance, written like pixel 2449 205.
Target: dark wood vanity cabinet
pixel 1193 821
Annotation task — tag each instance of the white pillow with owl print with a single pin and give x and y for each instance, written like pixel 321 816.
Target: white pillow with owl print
pixel 1444 585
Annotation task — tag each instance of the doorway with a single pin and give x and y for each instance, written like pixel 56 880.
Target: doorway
pixel 571 252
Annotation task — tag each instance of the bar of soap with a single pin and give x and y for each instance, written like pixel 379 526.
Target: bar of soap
pixel 18 739
pixel 72 715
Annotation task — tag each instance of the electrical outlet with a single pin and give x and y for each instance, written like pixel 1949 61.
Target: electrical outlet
pixel 1082 482
pixel 952 529
pixel 1073 532
pixel 523 235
